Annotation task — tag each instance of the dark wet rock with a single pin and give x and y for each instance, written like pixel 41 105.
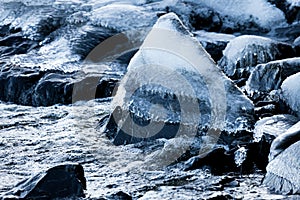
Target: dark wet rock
pixel 243 53
pixel 143 87
pixel 53 89
pixel 267 77
pixel 214 43
pixel 120 196
pixel 17 84
pixel 204 18
pixel 218 161
pixel 290 93
pixel 283 171
pixel 58 182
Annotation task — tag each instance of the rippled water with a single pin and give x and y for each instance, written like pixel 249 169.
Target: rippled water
pixel 36 138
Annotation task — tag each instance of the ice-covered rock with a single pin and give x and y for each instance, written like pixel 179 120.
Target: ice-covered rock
pixel 63 181
pixel 267 77
pixel 226 16
pixel 243 53
pixel 291 93
pixel 283 172
pixel 283 169
pixel 271 127
pixel 166 92
pixel 284 140
pixel 258 12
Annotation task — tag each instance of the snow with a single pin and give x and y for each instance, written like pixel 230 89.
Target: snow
pixel 291 92
pixel 260 11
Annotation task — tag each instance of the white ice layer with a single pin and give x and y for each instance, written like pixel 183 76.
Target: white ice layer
pixel 291 92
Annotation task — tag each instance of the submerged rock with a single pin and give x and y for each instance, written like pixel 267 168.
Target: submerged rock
pixel 291 93
pixel 283 169
pixel 243 53
pixel 267 77
pixel 167 93
pixel 58 182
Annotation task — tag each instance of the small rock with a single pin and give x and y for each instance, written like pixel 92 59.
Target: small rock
pixel 120 196
pixel 58 182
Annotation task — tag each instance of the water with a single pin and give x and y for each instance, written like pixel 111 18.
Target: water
pixel 36 138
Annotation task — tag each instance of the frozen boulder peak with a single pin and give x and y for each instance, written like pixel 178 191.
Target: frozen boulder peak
pixel 267 77
pixel 243 53
pixel 283 172
pixel 172 87
pixel 291 93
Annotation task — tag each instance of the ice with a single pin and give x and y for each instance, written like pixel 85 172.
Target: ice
pixel 240 156
pixel 123 17
pixel 291 92
pixel 259 11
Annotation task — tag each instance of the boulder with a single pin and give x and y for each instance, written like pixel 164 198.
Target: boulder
pixel 290 93
pixel 245 52
pixel 283 169
pixel 166 92
pixel 58 182
pixel 267 77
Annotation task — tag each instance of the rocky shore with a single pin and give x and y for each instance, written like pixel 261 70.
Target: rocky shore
pixel 194 87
